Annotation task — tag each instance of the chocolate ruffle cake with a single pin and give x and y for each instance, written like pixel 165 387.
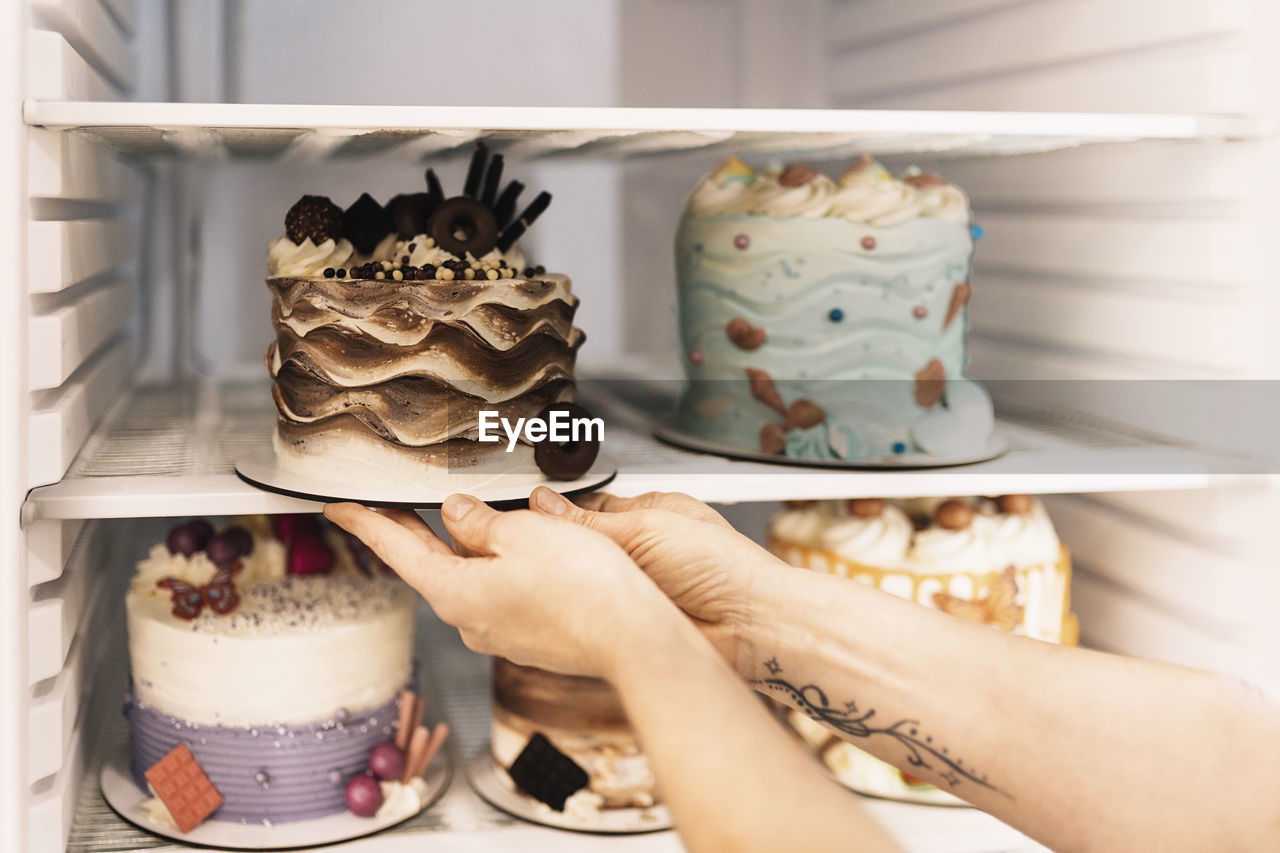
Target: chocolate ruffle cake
pixel 395 327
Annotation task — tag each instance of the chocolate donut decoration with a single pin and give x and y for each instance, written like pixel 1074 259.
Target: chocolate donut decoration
pixel 463 225
pixel 565 460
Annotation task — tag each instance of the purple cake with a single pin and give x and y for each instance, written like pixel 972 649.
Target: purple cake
pixel 276 655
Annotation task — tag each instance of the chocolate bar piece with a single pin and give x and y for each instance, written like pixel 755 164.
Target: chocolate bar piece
pixel 547 774
pixel 184 788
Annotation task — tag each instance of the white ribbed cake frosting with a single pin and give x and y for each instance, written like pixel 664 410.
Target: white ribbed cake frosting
pixel 826 320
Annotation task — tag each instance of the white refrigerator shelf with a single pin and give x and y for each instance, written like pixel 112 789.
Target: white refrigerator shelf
pixel 170 451
pixel 316 131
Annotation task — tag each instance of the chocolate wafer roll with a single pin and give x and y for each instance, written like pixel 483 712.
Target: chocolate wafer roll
pixel 475 170
pixel 505 207
pixel 530 214
pixel 492 178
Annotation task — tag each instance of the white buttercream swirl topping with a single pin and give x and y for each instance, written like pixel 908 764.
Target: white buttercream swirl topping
pixel 865 193
pixel 285 257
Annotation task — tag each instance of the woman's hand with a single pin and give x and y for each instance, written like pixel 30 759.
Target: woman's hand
pixel 694 556
pixel 536 590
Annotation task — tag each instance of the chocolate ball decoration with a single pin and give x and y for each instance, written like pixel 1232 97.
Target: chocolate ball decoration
pixel 1016 504
pixel 223 549
pixel 182 540
pixel 463 225
pixel 566 460
pixel 386 761
pixel 954 515
pixel 315 218
pixel 364 795
pixel 866 507
pixel 241 539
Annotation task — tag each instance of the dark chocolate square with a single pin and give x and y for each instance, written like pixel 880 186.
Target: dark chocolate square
pixel 547 774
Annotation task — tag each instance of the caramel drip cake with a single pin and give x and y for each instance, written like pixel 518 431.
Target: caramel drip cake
pixel 396 325
pixel 997 562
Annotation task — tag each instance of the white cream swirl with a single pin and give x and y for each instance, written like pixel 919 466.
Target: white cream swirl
pixel 285 257
pixel 267 561
pixel 1019 539
pixel 712 196
pixel 938 550
pixel 879 541
pixel 866 193
pixel 809 200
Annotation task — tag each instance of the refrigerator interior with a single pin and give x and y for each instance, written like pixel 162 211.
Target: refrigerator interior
pixel 1122 249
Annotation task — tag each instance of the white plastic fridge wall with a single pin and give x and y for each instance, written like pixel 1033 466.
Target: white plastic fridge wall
pixel 1154 254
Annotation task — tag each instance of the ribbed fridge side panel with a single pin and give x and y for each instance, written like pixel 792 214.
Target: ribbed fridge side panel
pixel 1137 262
pixel 80 235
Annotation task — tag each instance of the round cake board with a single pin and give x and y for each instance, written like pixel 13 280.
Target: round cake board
pixel 668 432
pixel 504 491
pixel 123 795
pixel 495 787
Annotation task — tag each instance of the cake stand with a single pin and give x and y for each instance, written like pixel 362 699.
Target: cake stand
pixel 495 787
pixel 507 490
pixel 667 431
pixel 124 795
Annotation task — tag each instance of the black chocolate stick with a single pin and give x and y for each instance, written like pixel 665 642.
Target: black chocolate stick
pixel 505 207
pixel 434 191
pixel 475 170
pixel 491 180
pixel 527 217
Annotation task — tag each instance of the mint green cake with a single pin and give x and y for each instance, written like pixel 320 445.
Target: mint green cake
pixel 826 320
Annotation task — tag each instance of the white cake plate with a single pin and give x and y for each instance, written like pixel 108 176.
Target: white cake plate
pixel 495 787
pixel 504 491
pixel 123 795
pixel 668 432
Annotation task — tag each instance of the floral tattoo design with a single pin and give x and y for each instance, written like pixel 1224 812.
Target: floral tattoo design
pixel 850 721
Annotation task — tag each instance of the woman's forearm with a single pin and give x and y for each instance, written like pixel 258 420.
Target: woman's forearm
pixel 1079 749
pixel 732 777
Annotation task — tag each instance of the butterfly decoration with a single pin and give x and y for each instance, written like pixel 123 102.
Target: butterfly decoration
pixel 219 593
pixel 996 608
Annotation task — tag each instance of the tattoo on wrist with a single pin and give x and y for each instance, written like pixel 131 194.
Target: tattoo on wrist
pixel 851 722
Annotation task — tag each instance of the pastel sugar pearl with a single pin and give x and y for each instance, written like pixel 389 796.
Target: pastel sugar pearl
pixel 741 241
pixel 697 356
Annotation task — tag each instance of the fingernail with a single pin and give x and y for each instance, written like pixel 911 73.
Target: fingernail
pixel 549 501
pixel 457 506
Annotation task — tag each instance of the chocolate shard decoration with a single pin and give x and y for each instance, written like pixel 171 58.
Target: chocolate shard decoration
pixel 763 389
pixel 505 207
pixel 474 172
pixel 959 298
pixel 492 178
pixel 530 214
pixel 547 774
pixel 365 223
pixel 434 190
pixel 931 384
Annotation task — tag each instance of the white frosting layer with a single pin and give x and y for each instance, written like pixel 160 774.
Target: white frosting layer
pixel 295 650
pixel 994 540
pixel 285 257
pixel 866 193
